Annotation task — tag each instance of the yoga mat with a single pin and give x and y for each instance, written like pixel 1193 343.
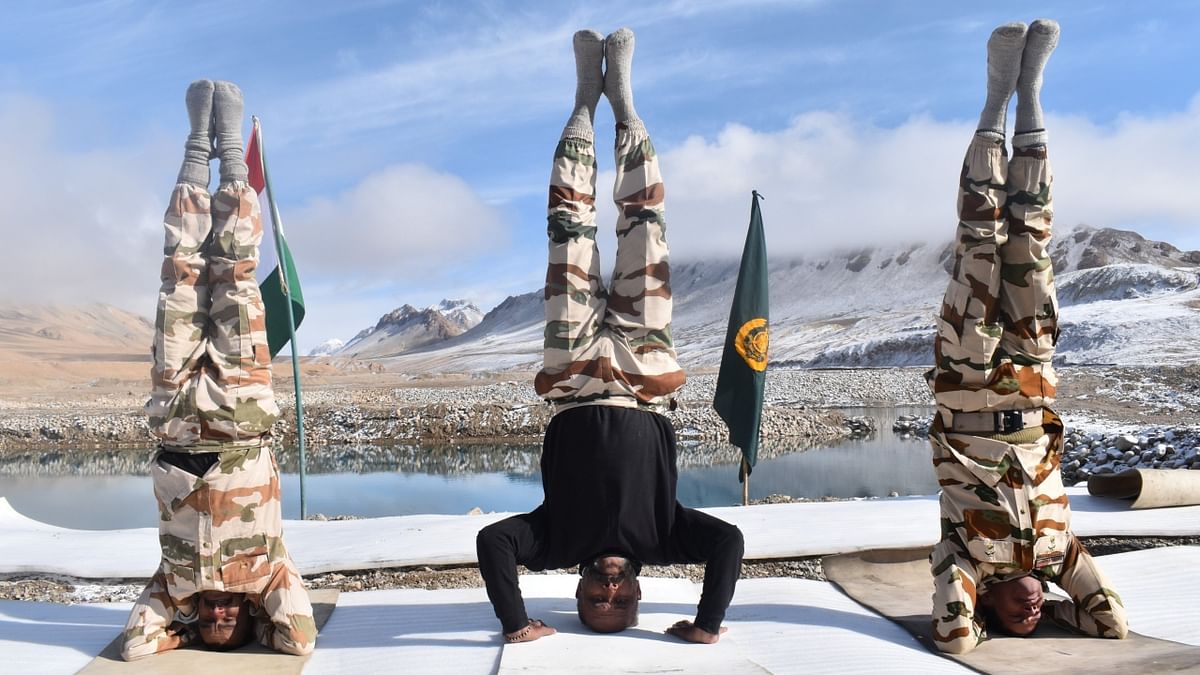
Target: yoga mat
pixel 897 584
pixel 253 658
pixel 1149 488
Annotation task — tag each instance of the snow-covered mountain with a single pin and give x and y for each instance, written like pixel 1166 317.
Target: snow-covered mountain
pixel 406 328
pixel 327 348
pixel 1124 300
pixel 460 313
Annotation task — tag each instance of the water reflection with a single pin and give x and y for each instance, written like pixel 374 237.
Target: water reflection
pixel 374 481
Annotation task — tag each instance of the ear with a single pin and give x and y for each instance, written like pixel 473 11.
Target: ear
pixel 984 601
pixel 639 589
pixel 579 590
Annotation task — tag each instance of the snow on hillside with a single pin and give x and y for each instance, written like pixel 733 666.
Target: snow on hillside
pixel 327 348
pixel 1124 300
pixel 406 328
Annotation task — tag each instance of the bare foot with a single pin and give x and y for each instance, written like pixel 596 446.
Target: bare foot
pixel 536 629
pixel 688 631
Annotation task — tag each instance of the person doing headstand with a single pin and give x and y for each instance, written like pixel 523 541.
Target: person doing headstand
pixel 608 456
pixel 225 576
pixel 996 442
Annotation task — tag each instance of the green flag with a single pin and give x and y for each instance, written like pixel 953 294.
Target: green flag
pixel 739 396
pixel 275 295
pixel 276 287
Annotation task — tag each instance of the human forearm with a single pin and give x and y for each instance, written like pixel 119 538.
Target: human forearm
pixel 151 627
pixel 703 538
pixel 500 547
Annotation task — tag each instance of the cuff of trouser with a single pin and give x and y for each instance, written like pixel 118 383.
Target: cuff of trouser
pixel 633 127
pixel 709 622
pixel 1025 139
pixel 578 133
pixel 514 622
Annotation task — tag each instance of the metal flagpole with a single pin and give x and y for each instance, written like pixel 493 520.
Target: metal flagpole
pixel 276 229
pixel 745 482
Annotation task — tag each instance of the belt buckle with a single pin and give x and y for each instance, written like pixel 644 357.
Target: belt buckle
pixel 1008 421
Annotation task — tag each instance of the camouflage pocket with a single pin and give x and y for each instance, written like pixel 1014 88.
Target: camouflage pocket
pixel 954 306
pixel 1050 550
pixel 172 486
pixel 242 573
pixel 993 551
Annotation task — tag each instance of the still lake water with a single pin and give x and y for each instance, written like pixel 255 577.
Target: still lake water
pixel 870 467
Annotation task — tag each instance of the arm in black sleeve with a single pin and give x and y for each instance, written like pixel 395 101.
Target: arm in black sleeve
pixel 699 537
pixel 500 547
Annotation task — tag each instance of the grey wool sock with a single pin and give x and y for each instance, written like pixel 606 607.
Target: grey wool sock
pixel 589 84
pixel 1039 44
pixel 1004 66
pixel 197 150
pixel 618 68
pixel 227 118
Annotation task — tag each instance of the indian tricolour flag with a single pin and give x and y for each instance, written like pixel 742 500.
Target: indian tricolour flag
pixel 278 283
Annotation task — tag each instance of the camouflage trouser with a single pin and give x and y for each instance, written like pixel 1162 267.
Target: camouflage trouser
pixel 212 370
pixel 999 319
pixel 1004 509
pixel 222 531
pixel 614 345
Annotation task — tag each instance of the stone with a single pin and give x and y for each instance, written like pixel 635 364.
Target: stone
pixel 1125 441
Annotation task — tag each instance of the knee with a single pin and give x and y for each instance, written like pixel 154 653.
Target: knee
pixel 1120 626
pixel 959 646
pixel 732 542
pixel 490 540
pixel 298 648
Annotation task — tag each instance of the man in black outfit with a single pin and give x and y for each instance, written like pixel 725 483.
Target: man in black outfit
pixel 608 457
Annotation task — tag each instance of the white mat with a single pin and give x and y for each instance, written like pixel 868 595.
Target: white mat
pixel 641 649
pixel 771 531
pixel 783 625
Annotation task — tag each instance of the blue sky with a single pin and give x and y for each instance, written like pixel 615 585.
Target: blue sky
pixel 409 142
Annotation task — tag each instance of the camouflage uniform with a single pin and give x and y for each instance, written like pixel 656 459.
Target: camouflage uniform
pixel 1004 509
pixel 222 531
pixel 212 369
pixel 608 346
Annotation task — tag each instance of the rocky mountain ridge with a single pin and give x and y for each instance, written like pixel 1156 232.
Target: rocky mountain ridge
pixel 406 328
pixel 1125 300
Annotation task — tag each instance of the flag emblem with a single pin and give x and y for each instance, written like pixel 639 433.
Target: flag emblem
pixel 751 343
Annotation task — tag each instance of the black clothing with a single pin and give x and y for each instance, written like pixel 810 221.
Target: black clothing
pixel 608 474
pixel 195 463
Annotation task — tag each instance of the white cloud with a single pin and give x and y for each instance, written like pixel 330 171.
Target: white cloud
pixel 403 223
pixel 830 181
pixel 83 226
pixel 78 225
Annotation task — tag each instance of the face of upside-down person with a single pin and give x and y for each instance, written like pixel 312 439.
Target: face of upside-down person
pixel 1015 605
pixel 608 594
pixel 224 619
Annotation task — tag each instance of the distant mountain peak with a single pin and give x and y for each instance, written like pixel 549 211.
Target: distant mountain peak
pixel 1124 299
pixel 327 348
pixel 406 328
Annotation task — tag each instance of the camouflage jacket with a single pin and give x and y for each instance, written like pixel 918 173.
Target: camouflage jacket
pixel 1005 503
pixel 221 531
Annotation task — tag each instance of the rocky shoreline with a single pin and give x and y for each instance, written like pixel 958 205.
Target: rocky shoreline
pixel 798 413
pixel 1097 453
